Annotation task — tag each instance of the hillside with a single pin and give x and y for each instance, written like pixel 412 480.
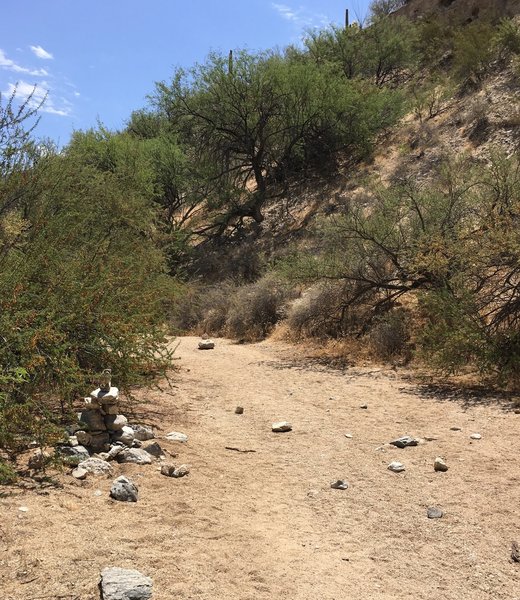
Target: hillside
pixel 460 10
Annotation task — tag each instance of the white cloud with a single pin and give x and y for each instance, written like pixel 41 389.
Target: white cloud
pixel 39 96
pixel 301 16
pixel 11 65
pixel 41 53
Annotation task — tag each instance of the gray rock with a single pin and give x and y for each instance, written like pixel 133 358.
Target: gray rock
pixel 396 467
pixel 124 490
pixel 434 512
pixel 404 442
pixel 73 453
pixel 124 584
pixel 154 449
pixel 134 455
pixel 93 420
pixel 440 465
pixel 281 426
pixel 176 436
pixel 125 435
pixel 96 466
pixel 115 422
pixel 143 433
pixel 340 484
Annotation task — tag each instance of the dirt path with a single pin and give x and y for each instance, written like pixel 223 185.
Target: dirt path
pixel 265 524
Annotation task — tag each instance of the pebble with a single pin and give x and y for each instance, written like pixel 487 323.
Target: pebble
pixel 440 465
pixel 124 490
pixel 365 406
pixel 239 410
pixel 396 467
pixel 143 433
pixel 475 436
pixel 125 584
pixel 172 471
pixel 349 436
pixel 98 493
pixel 456 428
pixel 434 512
pixel 175 436
pixel 340 484
pixel 281 427
pixel 80 473
pixel 404 442
pixel 23 509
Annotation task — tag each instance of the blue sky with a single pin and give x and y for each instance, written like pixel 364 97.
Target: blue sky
pixel 98 59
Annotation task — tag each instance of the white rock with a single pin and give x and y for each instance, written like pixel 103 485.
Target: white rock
pixel 475 436
pixel 396 467
pixel 96 466
pixel 176 436
pixel 281 426
pixel 102 396
pixel 80 473
pixel 206 345
pixel 114 451
pixel 23 509
pixel 73 441
pixel 349 436
pixel 125 435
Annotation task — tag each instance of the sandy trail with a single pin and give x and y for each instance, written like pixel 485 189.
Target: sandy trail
pixel 266 524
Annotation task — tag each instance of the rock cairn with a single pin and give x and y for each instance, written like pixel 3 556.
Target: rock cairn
pixel 103 426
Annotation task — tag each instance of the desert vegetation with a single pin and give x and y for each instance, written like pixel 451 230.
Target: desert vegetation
pixel 123 237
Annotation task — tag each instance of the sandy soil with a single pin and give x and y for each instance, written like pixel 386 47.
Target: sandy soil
pixel 266 524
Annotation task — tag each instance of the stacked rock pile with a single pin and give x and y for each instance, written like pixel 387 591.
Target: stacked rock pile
pixel 102 424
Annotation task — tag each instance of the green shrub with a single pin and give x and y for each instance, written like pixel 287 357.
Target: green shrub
pixel 507 38
pixel 7 473
pixel 473 50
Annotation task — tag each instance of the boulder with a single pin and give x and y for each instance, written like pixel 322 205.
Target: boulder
pixel 124 490
pixel 73 453
pixel 115 422
pixel 143 433
pixel 124 584
pixel 134 455
pixel 99 441
pixel 96 466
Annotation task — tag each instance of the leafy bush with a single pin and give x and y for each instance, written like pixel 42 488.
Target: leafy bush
pixel 473 50
pixel 390 335
pixel 507 38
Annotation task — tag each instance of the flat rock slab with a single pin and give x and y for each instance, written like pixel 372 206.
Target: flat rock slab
pixel 124 584
pixel 404 442
pixel 281 427
pixel 96 466
pixel 176 436
pixel 102 396
pixel 134 455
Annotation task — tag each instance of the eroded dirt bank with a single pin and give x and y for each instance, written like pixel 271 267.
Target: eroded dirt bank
pixel 266 524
